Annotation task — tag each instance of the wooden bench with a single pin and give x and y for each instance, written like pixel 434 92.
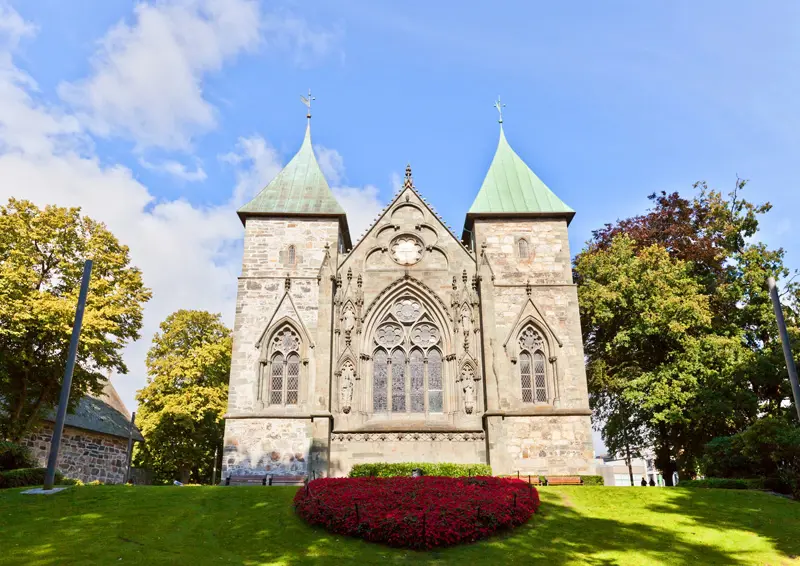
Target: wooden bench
pixel 568 480
pixel 531 479
pixel 265 480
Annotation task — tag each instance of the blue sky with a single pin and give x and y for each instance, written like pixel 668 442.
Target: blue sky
pixel 160 117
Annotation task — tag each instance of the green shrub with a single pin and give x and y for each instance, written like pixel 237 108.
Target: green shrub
pixel 25 476
pixel 71 481
pixel 723 483
pixel 385 470
pixel 592 480
pixel 14 456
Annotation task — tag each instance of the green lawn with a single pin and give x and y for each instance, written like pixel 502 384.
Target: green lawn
pixel 256 525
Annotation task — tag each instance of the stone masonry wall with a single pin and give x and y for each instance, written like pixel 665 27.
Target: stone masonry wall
pixel 83 455
pixel 267 446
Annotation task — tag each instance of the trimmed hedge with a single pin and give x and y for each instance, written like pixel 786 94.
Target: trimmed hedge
pixel 592 480
pixel 723 483
pixel 14 456
pixel 24 477
pixel 385 470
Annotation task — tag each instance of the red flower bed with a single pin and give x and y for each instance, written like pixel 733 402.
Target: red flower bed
pixel 419 513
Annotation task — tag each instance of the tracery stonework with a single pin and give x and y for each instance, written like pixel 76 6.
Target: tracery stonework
pixel 414 343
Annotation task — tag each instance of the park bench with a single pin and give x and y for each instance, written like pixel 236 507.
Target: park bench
pixel 531 479
pixel 265 480
pixel 569 480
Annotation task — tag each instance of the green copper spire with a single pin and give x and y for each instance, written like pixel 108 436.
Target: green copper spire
pixel 300 189
pixel 511 188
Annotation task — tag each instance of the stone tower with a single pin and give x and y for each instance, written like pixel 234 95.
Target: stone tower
pixel 537 405
pixel 412 344
pixel 278 416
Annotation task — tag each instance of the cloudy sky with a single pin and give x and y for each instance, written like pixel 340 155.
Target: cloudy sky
pixel 161 117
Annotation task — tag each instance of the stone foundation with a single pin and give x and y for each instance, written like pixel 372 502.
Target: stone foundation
pixel 83 455
pixel 541 445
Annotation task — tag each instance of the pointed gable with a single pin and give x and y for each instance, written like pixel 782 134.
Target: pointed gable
pixel 300 189
pixel 511 188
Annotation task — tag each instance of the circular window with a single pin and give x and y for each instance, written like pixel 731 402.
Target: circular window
pixel 406 250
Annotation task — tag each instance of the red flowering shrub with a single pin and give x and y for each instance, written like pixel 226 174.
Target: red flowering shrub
pixel 419 513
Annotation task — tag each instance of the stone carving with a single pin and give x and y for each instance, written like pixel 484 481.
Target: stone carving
pixel 425 335
pixel 530 339
pixel 389 335
pixel 407 436
pixel 286 341
pixel 407 310
pixel 468 386
pixel 466 320
pixel 348 381
pixel 348 318
pixel 406 250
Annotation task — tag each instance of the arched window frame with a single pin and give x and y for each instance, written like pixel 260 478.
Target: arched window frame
pixel 414 400
pixel 533 367
pixel 523 248
pixel 282 367
pixel 291 255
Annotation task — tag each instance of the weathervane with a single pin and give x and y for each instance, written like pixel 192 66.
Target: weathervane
pixel 499 107
pixel 307 102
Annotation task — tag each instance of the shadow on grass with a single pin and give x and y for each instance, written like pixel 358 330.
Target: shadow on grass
pixel 252 525
pixel 711 507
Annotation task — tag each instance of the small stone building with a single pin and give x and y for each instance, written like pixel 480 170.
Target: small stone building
pixel 411 344
pixel 94 445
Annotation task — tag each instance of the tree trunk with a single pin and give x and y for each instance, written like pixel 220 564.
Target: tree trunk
pixel 664 460
pixel 184 474
pixel 628 460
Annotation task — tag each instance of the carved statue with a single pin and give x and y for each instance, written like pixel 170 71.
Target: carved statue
pixel 348 382
pixel 466 320
pixel 348 319
pixel 468 386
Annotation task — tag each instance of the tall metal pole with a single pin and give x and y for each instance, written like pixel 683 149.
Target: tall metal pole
pixel 787 347
pixel 55 442
pixel 130 447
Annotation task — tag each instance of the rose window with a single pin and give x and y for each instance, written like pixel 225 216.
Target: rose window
pixel 406 250
pixel 389 335
pixel 407 310
pixel 425 335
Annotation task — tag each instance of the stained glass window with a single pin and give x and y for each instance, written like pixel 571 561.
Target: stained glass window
pixel 434 381
pixel 398 381
pixel 292 379
pixel 417 370
pixel 276 383
pixel 539 377
pixel 525 374
pixel 380 382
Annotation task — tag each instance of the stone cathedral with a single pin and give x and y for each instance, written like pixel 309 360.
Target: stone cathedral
pixel 409 345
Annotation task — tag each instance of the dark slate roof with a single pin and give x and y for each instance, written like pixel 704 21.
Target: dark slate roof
pixel 104 413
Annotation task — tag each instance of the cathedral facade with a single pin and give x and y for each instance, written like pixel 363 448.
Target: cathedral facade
pixel 410 345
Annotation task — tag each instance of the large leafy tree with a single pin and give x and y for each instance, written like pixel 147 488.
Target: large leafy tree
pixel 182 406
pixel 738 366
pixel 42 252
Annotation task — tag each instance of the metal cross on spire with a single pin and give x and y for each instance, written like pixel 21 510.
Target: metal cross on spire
pixel 307 102
pixel 499 107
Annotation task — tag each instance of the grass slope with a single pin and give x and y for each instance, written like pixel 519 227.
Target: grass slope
pixel 256 525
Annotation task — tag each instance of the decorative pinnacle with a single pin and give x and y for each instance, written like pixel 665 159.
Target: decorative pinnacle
pixel 307 102
pixel 408 183
pixel 497 105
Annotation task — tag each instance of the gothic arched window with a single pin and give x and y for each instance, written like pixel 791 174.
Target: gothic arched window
pixel 284 367
pixel 409 380
pixel 523 248
pixel 532 367
pixel 291 255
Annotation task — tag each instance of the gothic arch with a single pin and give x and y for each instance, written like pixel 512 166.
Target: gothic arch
pixel 283 359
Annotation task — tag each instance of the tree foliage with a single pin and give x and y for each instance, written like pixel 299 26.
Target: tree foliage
pixel 682 344
pixel 42 252
pixel 182 405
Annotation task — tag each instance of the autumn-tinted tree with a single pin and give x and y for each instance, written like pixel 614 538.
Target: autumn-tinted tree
pixel 182 405
pixel 42 252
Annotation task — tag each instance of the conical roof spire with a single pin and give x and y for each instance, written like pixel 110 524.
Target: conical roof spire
pixel 300 189
pixel 511 188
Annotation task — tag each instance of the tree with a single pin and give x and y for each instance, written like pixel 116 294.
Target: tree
pixel 182 406
pixel 649 356
pixel 42 253
pixel 714 236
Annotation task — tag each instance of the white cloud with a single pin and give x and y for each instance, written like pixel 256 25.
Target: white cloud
pixel 147 76
pixel 176 169
pixel 362 205
pixel 256 163
pixel 331 163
